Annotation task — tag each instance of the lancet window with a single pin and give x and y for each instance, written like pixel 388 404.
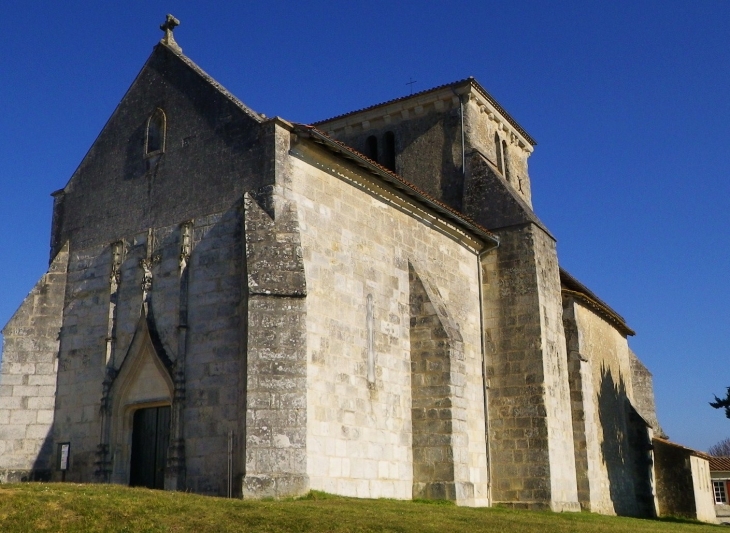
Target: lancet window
pixel 156 130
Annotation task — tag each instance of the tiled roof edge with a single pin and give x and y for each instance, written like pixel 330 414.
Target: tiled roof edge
pixel 698 453
pixel 576 288
pixel 720 463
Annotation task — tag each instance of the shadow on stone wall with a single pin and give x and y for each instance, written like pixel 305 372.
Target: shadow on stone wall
pixel 625 449
pixel 44 463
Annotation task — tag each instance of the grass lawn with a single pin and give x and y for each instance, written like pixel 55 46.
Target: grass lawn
pixel 70 507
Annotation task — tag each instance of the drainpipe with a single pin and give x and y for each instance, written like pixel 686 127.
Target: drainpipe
pixel 485 381
pixel 463 149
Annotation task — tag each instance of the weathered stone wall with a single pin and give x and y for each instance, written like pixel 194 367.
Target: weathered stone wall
pixel 557 393
pixel 214 354
pixel 82 359
pixel 674 483
pixel 703 491
pixel 531 451
pixel 583 407
pixel 276 357
pixel 642 385
pixel 116 191
pixel 211 369
pixel 607 353
pixel 481 126
pixel 439 408
pixel 610 437
pixel 28 378
pixel 427 145
pixel 356 244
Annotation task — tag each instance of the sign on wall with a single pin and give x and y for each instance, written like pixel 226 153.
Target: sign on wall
pixel 64 452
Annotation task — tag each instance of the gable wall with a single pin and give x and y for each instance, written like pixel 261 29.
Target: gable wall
pixel 213 154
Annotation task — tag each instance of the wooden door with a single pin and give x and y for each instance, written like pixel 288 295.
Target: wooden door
pixel 150 439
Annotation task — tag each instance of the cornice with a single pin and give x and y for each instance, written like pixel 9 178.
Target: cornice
pixel 441 98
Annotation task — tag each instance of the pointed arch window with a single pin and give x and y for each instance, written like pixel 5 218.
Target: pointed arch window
pixel 156 131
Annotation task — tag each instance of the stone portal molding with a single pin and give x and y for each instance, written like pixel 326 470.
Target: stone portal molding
pixel 115 277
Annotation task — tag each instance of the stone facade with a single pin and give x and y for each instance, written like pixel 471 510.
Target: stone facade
pixel 368 307
pixel 613 474
pixel 28 378
pixel 420 414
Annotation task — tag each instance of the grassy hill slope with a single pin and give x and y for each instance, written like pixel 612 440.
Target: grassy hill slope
pixel 70 507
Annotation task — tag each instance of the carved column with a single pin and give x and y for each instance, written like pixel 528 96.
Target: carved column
pixel 175 473
pixel 103 462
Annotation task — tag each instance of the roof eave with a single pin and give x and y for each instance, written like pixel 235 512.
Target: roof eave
pixel 577 289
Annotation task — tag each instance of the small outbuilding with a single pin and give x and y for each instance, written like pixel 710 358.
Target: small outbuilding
pixel 683 483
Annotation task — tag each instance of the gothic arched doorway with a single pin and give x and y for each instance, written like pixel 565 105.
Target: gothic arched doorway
pixel 141 400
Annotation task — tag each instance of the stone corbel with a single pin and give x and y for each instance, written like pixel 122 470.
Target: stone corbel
pixel 115 277
pixel 146 265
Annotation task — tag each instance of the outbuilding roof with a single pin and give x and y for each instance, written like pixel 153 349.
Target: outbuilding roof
pixel 691 451
pixel 720 464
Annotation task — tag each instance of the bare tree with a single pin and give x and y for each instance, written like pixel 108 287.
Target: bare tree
pixel 721 449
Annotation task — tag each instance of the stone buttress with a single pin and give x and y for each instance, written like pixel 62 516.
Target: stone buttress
pixel 275 337
pixel 28 378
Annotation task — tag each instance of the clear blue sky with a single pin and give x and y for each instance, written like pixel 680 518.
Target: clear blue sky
pixel 628 102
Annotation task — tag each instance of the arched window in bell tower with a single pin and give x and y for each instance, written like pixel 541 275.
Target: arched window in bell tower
pixel 498 152
pixel 505 161
pixel 155 137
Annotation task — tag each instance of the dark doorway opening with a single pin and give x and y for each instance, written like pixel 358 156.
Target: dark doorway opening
pixel 150 439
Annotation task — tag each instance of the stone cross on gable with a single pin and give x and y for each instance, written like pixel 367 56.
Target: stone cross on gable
pixel 168 26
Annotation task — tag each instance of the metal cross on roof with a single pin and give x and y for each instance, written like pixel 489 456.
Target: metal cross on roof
pixel 168 26
pixel 411 84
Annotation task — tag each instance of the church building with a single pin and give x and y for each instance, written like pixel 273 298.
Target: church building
pixel 368 306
